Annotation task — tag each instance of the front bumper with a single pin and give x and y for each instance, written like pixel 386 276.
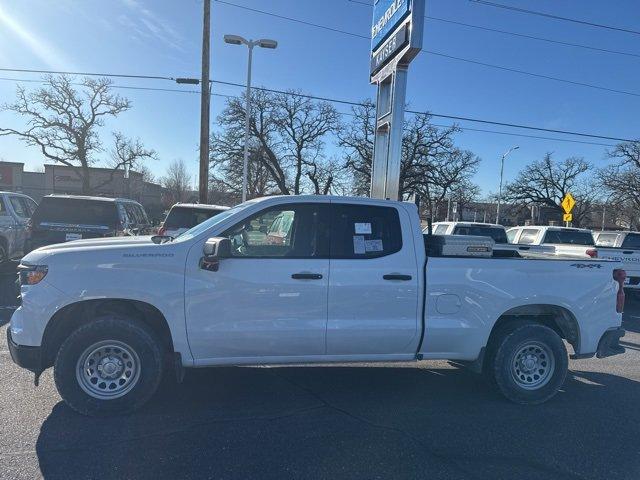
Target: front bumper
pixel 609 344
pixel 25 356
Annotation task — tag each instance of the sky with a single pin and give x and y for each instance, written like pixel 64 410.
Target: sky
pixel 163 37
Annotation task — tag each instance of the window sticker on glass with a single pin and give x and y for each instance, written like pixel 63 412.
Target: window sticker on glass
pixel 363 228
pixel 359 247
pixel 373 245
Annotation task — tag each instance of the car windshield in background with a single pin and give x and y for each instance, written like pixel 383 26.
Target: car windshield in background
pixel 188 217
pixel 569 237
pixel 497 234
pixel 207 224
pixel 76 212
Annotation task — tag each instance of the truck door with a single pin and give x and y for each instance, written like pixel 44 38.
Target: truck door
pixel 373 282
pixel 270 298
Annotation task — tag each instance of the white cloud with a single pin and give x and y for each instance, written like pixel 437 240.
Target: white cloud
pixel 152 25
pixel 46 52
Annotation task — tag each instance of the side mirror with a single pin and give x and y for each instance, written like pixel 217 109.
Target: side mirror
pixel 213 251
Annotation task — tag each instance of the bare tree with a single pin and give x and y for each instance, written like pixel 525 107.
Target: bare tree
pixel 288 134
pixel 177 181
pixel 62 121
pixel 546 182
pixel 431 165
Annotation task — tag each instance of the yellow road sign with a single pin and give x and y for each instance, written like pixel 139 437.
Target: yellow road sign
pixel 568 202
pixel 567 217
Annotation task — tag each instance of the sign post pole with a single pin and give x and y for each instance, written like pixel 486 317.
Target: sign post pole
pixel 396 38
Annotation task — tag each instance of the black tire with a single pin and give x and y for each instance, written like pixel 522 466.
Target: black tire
pixel 140 341
pixel 529 363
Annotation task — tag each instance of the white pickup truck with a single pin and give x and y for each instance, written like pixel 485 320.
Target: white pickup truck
pixel 349 281
pixel 623 247
pixel 566 241
pixel 498 233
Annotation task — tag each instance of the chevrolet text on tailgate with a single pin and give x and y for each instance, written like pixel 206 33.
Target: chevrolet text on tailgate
pixel 286 280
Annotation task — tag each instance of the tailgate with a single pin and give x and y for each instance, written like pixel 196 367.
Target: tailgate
pixel 630 260
pixel 47 233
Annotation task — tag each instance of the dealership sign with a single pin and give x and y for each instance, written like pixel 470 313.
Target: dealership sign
pixel 387 15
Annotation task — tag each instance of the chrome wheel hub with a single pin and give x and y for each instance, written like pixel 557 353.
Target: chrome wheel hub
pixel 108 369
pixel 533 365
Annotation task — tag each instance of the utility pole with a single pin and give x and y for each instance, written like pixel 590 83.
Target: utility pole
pixel 205 99
pixel 501 174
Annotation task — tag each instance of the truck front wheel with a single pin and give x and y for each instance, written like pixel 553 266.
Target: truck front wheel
pixel 109 366
pixel 530 363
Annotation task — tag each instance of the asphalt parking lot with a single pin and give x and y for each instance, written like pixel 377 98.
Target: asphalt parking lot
pixel 427 421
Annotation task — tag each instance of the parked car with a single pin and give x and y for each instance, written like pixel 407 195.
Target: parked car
pixel 572 242
pixel 352 284
pixel 184 216
pixel 15 211
pixel 498 233
pixel 623 247
pixel 62 218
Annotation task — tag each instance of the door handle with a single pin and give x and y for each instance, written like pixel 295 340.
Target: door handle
pixel 306 276
pixel 628 252
pixel 395 276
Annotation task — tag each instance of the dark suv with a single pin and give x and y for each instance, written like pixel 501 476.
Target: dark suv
pixel 62 218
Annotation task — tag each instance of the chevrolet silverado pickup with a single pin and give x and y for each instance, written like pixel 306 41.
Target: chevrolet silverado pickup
pixel 623 247
pixel 347 280
pixel 566 241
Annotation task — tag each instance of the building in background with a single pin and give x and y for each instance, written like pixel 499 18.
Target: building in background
pixel 105 182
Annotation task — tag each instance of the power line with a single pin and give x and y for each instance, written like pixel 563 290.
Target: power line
pixel 536 75
pixel 451 57
pixel 354 103
pixel 88 74
pixel 304 22
pixel 555 17
pixel 516 34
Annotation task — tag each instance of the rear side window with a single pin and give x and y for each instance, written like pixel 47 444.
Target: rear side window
pixel 20 207
pixel 528 236
pixel 497 234
pixel 364 231
pixel 569 237
pixel 440 230
pixel 632 240
pixel 607 240
pixel 185 217
pixel 511 235
pixel 76 212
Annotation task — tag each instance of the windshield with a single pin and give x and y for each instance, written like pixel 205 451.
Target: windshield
pixel 207 224
pixel 188 217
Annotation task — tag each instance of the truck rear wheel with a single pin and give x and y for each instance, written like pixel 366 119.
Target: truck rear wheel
pixel 529 364
pixel 109 366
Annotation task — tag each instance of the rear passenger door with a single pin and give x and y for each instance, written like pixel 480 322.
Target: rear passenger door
pixel 373 282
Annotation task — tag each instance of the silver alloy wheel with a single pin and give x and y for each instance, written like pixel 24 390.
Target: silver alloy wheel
pixel 532 365
pixel 108 369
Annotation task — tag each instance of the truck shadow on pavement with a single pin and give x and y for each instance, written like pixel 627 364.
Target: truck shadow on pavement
pixel 349 422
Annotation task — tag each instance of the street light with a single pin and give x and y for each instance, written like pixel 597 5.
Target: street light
pixel 501 173
pixel 262 43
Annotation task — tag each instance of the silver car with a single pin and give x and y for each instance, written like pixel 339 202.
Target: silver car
pixel 15 211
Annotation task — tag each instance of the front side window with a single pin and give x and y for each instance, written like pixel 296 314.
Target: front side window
pixel 528 236
pixel 19 207
pixel 291 231
pixel 364 231
pixel 3 209
pixel 607 240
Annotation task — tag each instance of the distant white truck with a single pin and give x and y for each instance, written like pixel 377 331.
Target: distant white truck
pixel 623 247
pixel 567 242
pixel 498 233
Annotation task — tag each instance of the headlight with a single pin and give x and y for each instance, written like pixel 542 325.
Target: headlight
pixel 32 274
